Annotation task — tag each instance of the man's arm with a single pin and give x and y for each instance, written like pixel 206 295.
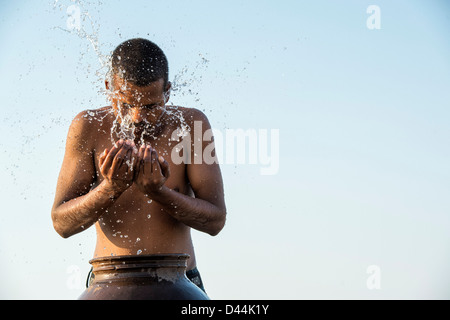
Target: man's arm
pixel 76 207
pixel 197 213
pixel 207 211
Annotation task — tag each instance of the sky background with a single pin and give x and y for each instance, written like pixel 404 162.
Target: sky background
pixel 363 118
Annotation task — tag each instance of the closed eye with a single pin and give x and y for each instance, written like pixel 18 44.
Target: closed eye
pixel 150 106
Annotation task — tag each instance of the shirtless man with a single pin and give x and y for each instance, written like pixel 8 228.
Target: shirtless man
pixel 140 201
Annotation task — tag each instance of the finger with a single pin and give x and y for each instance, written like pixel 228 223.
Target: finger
pixel 136 165
pixel 147 160
pixel 119 158
pixel 134 159
pixel 140 160
pixel 111 154
pixel 102 157
pixel 141 152
pixel 131 144
pixel 101 161
pixel 127 164
pixel 165 168
pixel 118 143
pixel 155 164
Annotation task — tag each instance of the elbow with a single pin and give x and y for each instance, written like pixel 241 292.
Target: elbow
pixel 63 232
pixel 218 225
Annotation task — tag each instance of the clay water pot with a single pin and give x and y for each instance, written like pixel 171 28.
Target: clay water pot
pixel 142 277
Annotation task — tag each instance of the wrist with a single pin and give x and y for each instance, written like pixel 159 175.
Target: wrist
pixel 108 189
pixel 157 194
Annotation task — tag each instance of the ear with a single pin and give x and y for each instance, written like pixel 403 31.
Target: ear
pixel 107 84
pixel 167 91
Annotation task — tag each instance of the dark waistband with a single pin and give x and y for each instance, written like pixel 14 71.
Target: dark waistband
pixel 192 273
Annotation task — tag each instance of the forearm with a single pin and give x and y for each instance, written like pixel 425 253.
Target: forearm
pixel 196 213
pixel 80 213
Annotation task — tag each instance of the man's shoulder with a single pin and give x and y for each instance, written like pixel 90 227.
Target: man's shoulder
pixel 93 114
pixel 91 117
pixel 191 114
pixel 87 122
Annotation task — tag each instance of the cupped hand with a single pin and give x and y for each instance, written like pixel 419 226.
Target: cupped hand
pixel 152 171
pixel 118 165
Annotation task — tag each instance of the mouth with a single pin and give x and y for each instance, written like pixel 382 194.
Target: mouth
pixel 145 126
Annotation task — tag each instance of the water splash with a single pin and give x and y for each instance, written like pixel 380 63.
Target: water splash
pixel 184 81
pixel 184 84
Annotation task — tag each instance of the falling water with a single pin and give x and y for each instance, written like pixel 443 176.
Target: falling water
pixel 123 127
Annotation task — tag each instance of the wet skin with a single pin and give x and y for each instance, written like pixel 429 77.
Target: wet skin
pixel 138 199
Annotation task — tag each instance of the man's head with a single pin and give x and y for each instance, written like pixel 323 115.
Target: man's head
pixel 139 78
pixel 140 62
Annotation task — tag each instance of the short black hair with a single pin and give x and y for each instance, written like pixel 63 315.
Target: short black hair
pixel 140 61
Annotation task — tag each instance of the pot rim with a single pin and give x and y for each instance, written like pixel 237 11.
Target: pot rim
pixel 123 259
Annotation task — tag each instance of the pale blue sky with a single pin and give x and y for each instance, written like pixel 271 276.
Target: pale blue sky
pixel 363 117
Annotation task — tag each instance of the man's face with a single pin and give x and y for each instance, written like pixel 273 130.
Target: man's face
pixel 139 103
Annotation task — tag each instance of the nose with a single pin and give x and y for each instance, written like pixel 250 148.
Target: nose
pixel 137 115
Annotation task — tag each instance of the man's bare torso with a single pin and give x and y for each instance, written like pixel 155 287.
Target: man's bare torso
pixel 134 224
